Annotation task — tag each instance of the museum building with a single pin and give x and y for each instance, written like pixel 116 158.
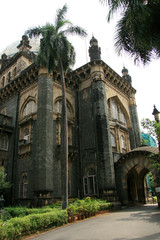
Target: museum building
pixel 104 153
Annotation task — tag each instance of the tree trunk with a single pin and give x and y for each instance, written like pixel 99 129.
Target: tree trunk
pixel 64 142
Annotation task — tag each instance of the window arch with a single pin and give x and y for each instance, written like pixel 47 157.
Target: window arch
pixel 58 108
pixel 122 117
pixel 23 185
pixel 123 142
pixel 29 108
pixel 9 77
pixel 114 109
pixel 113 141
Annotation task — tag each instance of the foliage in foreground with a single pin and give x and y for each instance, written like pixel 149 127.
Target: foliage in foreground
pixel 16 222
pixel 153 129
pixel 17 227
pixel 88 205
pixel 4 185
pixel 138 30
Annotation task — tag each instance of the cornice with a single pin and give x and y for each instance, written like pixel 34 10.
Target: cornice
pixel 27 76
pixel 110 76
pixel 10 61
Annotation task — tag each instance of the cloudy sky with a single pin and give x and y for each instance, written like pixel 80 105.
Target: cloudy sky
pixel 17 16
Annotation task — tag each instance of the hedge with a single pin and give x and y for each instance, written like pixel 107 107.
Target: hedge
pixel 23 211
pixel 15 228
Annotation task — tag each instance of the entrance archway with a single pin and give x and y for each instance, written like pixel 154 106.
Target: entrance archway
pixel 137 191
pixel 131 171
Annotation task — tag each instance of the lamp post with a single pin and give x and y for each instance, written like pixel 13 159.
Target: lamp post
pixel 156 117
pixel 156 114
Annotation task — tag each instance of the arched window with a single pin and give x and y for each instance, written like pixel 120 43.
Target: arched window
pixel 114 109
pixel 30 107
pixel 113 141
pixel 122 117
pixel 9 76
pixel 23 185
pixel 58 108
pixel 123 142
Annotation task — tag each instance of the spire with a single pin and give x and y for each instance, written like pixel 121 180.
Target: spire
pixel 24 44
pixel 94 50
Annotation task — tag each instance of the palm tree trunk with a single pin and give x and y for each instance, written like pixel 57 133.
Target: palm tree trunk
pixel 64 142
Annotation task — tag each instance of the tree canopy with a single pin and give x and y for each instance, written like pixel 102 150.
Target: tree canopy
pixel 153 129
pixel 4 185
pixel 138 30
pixel 54 44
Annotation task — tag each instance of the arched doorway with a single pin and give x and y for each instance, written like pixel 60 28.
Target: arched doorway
pixel 137 185
pixel 131 171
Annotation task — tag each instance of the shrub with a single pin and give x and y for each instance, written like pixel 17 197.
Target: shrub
pixel 17 227
pixel 105 206
pixel 4 215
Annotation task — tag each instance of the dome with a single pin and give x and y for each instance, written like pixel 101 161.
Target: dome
pixel 124 70
pixel 93 42
pixel 11 49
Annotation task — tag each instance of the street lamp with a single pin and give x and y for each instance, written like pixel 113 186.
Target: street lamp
pixel 157 189
pixel 156 114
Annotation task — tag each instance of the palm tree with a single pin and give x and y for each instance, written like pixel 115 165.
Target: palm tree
pixel 138 30
pixel 56 52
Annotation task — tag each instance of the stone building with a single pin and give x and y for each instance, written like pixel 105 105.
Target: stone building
pixel 103 130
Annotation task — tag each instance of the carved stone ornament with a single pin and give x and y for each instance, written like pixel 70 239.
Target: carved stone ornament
pixel 97 76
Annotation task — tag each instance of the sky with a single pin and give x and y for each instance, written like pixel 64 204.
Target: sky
pixel 17 16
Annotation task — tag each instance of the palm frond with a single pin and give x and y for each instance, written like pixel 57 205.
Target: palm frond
pixel 75 30
pixel 60 17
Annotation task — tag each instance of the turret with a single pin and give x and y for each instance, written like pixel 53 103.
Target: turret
pixel 94 50
pixel 126 76
pixel 24 44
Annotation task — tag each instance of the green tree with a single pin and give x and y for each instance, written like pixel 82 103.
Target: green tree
pixel 57 53
pixel 153 129
pixel 4 185
pixel 138 30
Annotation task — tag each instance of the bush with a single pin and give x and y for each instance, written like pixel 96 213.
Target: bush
pixel 105 206
pixel 88 205
pixel 17 227
pixel 24 211
pixel 4 215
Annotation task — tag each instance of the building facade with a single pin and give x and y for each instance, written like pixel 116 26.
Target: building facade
pixel 103 128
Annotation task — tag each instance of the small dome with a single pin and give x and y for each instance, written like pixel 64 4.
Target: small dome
pixel 124 70
pixel 11 49
pixel 93 42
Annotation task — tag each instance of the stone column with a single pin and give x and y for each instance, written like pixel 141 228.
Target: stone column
pixel 44 159
pixel 105 164
pixel 134 132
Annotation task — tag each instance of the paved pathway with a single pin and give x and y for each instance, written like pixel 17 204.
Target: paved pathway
pixel 136 223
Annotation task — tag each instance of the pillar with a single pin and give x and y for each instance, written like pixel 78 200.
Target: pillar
pixel 105 163
pixel 44 159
